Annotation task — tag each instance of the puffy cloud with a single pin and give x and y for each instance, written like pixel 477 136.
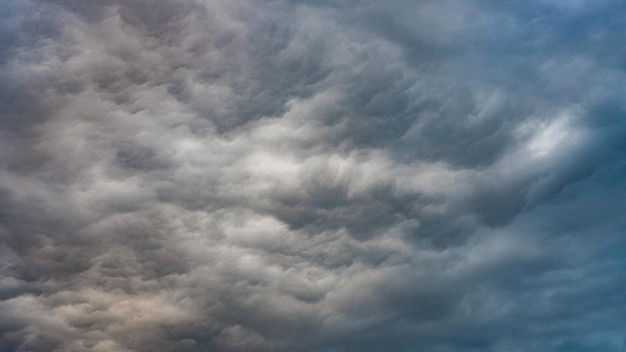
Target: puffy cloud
pixel 311 176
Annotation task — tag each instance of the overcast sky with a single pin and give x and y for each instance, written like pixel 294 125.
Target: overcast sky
pixel 312 176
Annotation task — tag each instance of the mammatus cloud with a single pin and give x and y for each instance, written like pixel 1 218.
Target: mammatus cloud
pixel 325 176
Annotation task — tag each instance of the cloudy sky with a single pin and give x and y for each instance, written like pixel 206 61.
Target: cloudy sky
pixel 312 176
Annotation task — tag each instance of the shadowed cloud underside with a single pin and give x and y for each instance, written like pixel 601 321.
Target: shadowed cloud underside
pixel 314 176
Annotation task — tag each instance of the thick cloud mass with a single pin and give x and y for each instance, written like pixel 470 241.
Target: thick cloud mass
pixel 328 176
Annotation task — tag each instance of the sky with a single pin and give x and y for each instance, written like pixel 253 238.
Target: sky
pixel 312 176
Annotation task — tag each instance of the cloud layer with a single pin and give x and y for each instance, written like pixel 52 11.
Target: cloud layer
pixel 329 176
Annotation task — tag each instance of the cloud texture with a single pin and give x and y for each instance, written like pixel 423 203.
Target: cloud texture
pixel 328 176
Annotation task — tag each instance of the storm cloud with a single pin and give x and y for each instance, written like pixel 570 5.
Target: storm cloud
pixel 328 176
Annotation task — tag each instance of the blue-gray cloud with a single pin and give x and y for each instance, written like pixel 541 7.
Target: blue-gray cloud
pixel 326 176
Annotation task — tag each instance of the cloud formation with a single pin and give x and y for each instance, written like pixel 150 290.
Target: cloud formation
pixel 328 176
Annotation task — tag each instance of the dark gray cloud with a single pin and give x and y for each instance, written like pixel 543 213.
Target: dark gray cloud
pixel 325 176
